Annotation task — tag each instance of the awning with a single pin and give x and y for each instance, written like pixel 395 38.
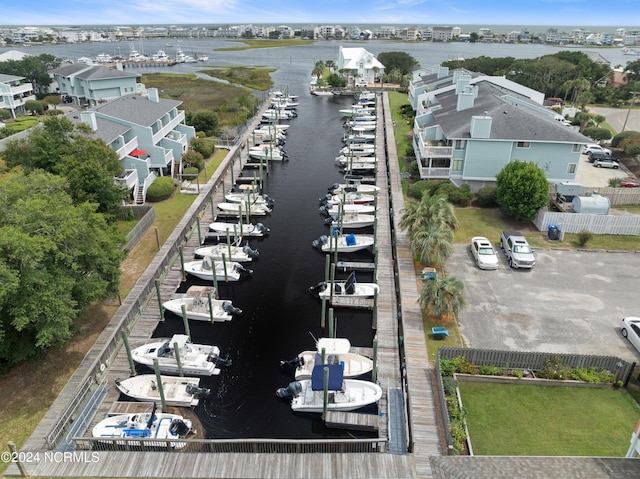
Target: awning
pixel 137 152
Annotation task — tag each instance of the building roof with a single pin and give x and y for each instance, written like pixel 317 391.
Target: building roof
pixel 13 55
pixel 9 78
pixel 137 109
pixel 352 56
pixel 92 72
pixel 514 117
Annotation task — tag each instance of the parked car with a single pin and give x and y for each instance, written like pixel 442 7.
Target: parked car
pixel 630 329
pixel 598 155
pixel 630 182
pixel 483 253
pixel 606 163
pixel 593 147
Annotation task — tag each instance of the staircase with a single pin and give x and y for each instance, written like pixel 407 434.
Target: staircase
pixel 140 195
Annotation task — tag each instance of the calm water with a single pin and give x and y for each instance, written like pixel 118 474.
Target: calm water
pixel 278 312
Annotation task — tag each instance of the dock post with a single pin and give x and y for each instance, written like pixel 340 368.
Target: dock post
pixel 181 262
pixel 332 283
pixel 210 307
pixel 323 313
pixel 325 398
pixel 199 232
pixel 176 353
pixel 127 348
pixel 159 299
pixel 327 264
pixel 331 325
pixel 185 320
pixel 163 401
pixel 374 371
pixel 224 266
pixel 374 315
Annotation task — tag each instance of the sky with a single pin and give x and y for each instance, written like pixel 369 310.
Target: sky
pixel 319 12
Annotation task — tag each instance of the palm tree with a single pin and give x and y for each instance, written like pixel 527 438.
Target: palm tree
pixel 318 69
pixel 443 297
pixel 434 209
pixel 432 244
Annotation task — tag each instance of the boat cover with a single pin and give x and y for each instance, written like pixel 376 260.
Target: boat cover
pixel 335 377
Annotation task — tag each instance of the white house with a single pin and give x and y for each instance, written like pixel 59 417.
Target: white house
pixel 15 91
pixel 364 65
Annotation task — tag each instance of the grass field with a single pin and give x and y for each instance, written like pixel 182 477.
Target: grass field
pixel 519 420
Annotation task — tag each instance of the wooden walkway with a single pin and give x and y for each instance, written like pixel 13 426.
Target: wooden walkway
pixel 401 348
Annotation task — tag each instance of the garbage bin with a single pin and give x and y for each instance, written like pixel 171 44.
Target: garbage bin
pixel 552 232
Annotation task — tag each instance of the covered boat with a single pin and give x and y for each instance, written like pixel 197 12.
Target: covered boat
pixel 350 287
pixel 348 243
pixel 178 391
pixel 342 394
pixel 196 359
pixel 336 351
pixel 224 270
pixel 149 428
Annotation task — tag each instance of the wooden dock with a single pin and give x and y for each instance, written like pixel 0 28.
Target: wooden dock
pixel 351 420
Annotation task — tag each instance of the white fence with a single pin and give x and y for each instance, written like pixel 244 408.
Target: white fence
pixel 596 224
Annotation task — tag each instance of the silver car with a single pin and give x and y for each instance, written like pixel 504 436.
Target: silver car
pixel 606 163
pixel 630 329
pixel 483 253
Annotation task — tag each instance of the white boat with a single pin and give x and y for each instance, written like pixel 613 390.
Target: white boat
pixel 231 252
pixel 202 58
pixel 344 160
pixel 160 56
pixel 196 305
pixel 277 114
pixel 196 359
pixel 359 138
pixel 343 394
pixel 273 153
pixel 238 209
pixel 358 150
pixel 224 270
pixel 336 351
pixel 347 197
pixel 103 58
pixel 181 57
pixel 218 228
pixel 359 166
pixel 352 221
pixel 354 183
pixel 249 197
pixel 178 391
pixel 149 427
pixel 349 243
pixel 347 208
pixel 350 287
pixel 321 92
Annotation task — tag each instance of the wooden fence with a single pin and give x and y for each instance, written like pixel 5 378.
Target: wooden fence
pixel 618 196
pixel 596 224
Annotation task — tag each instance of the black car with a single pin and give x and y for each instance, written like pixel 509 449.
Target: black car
pixel 597 155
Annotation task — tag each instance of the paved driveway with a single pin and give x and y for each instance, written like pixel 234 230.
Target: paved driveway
pixel 571 302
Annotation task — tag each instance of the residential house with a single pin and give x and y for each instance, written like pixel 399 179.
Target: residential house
pixel 147 132
pixel 442 34
pixel 467 129
pixel 364 66
pixel 15 91
pixel 90 84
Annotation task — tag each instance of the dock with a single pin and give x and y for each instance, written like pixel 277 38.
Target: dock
pixel 351 420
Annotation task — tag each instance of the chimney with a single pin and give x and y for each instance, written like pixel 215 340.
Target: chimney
pixel 442 72
pixel 89 117
pixel 153 94
pixel 481 126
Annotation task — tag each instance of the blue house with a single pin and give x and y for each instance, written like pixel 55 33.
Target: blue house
pixel 147 132
pixel 469 126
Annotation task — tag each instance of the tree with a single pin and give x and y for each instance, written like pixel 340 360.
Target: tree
pixel 401 61
pixel 34 106
pixel 55 259
pixel 522 189
pixel 597 133
pixel 205 121
pixel 34 68
pixel 336 81
pixel 443 297
pixel 54 100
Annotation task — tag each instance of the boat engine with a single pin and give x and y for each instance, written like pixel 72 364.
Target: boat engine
pixel 333 187
pixel 322 240
pixel 323 200
pixel 270 201
pixel 230 308
pixel 293 389
pixel 218 361
pixel 292 363
pixel 242 270
pixel 262 229
pixel 197 392
pixel 318 288
pixel 250 252
pixel 324 209
pixel 179 428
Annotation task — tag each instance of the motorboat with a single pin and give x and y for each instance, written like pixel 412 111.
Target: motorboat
pixel 218 228
pixel 308 395
pixel 238 209
pixel 346 208
pixel 231 252
pixel 359 138
pixel 160 56
pixel 362 166
pixel 349 243
pixel 177 391
pixel 181 57
pixel 344 160
pixel 350 287
pixel 249 197
pixel 351 221
pixel 196 302
pixel 273 153
pixel 224 270
pixel 195 359
pixel 352 197
pixel 353 183
pixel 357 149
pixel 332 351
pixel 150 428
pixel 277 114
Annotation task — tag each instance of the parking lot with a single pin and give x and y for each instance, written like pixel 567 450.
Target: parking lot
pixel 590 176
pixel 571 302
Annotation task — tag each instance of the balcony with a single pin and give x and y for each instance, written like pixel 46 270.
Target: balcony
pixel 434 168
pixel 127 179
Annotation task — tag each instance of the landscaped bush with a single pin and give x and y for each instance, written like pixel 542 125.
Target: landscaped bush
pixel 487 197
pixel 161 189
pixel 584 237
pixel 204 147
pixel 620 137
pixel 194 159
pixel 554 369
pixel 459 196
pixel 592 375
pixel 190 172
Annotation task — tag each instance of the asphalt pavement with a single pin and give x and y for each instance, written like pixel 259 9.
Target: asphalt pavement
pixel 620 117
pixel 571 302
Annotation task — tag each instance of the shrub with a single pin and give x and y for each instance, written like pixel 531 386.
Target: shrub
pixel 615 182
pixel 190 172
pixel 519 373
pixel 204 147
pixel 488 370
pixel 447 367
pixel 584 237
pixel 554 369
pixel 591 375
pixel 487 197
pixel 459 196
pixel 449 385
pixel 620 137
pixel 160 189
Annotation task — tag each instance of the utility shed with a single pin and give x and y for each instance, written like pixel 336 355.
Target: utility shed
pixel 593 205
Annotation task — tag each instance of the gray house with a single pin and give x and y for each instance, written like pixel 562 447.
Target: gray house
pixel 469 126
pixel 88 84
pixel 147 132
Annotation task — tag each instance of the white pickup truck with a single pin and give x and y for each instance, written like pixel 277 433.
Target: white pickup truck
pixel 517 250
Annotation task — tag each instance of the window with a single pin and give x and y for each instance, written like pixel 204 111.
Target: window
pixel 460 144
pixel 457 165
pixel 523 144
pixel 571 167
pixel 576 148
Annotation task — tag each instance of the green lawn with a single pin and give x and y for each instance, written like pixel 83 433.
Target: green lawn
pixel 521 420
